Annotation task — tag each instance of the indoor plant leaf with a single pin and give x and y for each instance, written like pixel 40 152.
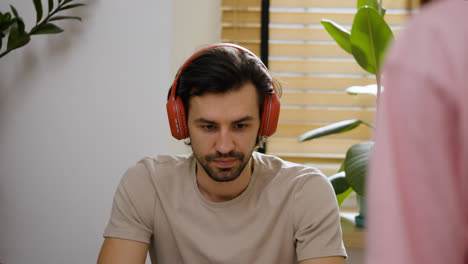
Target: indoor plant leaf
pixel 17 37
pixel 370 36
pixel 3 18
pixel 367 89
pixel 21 26
pixel 338 33
pixel 51 5
pixel 356 160
pixel 335 128
pixel 339 183
pixel 38 6
pixel 341 187
pixel 66 2
pixel 70 6
pixel 342 196
pixel 6 21
pixel 47 28
pixel 65 17
pixel 13 9
pixel 372 3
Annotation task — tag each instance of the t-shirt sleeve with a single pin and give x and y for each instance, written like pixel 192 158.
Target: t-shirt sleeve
pixel 317 220
pixel 132 214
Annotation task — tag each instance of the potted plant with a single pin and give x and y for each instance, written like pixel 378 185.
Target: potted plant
pixel 368 40
pixel 14 27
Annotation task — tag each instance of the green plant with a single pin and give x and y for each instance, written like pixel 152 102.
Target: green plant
pixel 13 25
pixel 367 42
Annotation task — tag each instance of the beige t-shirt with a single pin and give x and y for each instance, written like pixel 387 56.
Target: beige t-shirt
pixel 288 213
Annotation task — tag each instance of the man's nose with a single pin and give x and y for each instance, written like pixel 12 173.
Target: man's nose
pixel 224 142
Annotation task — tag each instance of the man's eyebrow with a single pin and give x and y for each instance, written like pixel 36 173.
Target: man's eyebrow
pixel 247 118
pixel 203 120
pixel 206 121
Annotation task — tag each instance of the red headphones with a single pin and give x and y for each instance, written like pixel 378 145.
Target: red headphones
pixel 176 110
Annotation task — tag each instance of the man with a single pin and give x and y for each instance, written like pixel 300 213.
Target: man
pixel 417 193
pixel 224 203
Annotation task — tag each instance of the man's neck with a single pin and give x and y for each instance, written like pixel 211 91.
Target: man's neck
pixel 218 192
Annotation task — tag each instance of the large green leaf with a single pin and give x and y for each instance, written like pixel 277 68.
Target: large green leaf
pixel 356 161
pixel 342 196
pixel 335 128
pixel 339 183
pixel 370 36
pixel 338 33
pixel 372 3
pixel 38 6
pixel 341 187
pixel 47 28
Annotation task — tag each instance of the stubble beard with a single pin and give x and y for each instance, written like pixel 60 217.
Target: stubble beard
pixel 223 174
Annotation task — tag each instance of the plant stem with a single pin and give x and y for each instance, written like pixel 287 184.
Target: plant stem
pixel 367 124
pixel 5 52
pixel 378 77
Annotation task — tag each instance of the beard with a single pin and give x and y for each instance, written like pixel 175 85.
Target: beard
pixel 223 174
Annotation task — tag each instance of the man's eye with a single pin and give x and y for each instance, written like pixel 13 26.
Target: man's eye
pixel 207 127
pixel 240 126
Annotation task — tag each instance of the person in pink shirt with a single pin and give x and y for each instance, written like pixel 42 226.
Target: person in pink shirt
pixel 418 177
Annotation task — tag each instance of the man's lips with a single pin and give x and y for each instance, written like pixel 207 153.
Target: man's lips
pixel 224 163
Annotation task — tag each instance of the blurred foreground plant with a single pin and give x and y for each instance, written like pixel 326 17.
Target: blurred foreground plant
pixel 13 25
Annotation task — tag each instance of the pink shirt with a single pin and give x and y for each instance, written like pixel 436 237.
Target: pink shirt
pixel 418 183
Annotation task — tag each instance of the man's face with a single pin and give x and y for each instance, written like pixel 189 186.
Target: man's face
pixel 223 130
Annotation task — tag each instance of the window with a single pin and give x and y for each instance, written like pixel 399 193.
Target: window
pixel 314 72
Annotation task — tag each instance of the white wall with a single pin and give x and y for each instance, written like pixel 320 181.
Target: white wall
pixel 192 31
pixel 76 110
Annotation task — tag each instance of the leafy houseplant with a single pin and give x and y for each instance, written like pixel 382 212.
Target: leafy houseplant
pixel 367 42
pixel 14 27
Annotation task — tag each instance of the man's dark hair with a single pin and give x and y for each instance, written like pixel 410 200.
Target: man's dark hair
pixel 220 70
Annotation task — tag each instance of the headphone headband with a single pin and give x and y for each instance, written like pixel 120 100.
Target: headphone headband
pixel 191 58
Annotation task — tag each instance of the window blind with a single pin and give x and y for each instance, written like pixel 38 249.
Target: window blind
pixel 313 70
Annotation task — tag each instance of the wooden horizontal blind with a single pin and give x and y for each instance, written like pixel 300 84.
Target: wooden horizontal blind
pixel 241 23
pixel 313 70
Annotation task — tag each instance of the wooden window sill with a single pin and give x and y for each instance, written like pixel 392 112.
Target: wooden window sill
pixel 353 236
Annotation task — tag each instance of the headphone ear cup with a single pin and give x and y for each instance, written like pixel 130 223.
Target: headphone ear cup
pixel 183 120
pixel 176 115
pixel 270 115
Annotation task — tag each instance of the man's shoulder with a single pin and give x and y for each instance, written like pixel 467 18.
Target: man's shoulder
pixel 158 161
pixel 274 166
pixel 154 168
